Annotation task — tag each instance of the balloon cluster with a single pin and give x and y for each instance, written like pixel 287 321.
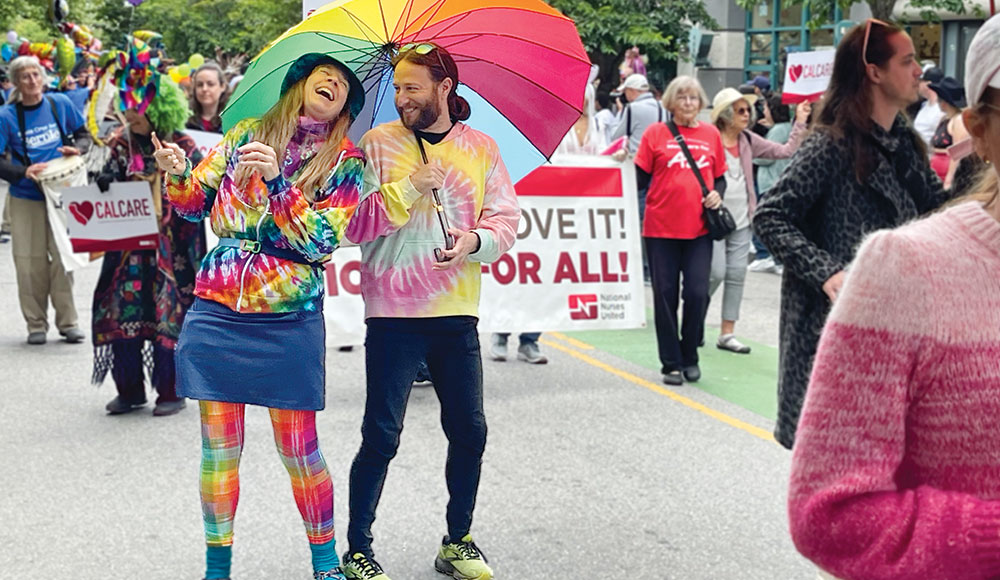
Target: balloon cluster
pixel 182 72
pixel 61 55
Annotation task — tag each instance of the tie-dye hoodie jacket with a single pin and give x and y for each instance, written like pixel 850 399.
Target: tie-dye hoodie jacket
pixel 397 225
pixel 276 213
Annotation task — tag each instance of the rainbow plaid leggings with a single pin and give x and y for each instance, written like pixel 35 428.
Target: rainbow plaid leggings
pixel 222 445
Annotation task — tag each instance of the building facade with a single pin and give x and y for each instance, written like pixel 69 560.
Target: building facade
pixel 757 42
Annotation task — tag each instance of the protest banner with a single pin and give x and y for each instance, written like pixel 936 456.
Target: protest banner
pixel 121 219
pixel 807 75
pixel 576 264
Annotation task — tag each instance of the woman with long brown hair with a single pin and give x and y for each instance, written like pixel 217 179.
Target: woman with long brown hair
pixel 280 191
pixel 862 169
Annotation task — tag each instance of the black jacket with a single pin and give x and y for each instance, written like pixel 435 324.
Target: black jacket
pixel 815 218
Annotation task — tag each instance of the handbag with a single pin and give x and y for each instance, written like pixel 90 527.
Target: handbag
pixel 719 221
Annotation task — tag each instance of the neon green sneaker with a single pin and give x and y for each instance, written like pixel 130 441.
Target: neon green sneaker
pixel 360 567
pixel 462 560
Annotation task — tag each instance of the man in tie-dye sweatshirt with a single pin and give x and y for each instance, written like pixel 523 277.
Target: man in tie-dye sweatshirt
pixel 419 307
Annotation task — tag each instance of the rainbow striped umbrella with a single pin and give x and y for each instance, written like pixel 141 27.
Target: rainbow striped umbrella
pixel 521 63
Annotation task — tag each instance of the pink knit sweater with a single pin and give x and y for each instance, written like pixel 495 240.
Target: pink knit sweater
pixel 896 469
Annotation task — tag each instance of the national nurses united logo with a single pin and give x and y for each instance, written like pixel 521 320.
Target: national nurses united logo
pixel 583 306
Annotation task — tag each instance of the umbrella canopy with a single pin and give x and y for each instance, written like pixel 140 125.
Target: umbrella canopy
pixel 521 64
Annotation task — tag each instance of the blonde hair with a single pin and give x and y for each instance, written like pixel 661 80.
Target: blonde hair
pixel 277 127
pixel 987 187
pixel 683 83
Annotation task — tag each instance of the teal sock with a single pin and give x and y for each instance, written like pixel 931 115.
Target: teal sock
pixel 324 556
pixel 217 562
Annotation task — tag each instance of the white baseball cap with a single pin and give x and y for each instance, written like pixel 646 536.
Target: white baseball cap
pixel 982 62
pixel 634 81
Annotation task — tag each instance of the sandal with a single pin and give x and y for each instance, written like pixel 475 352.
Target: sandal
pixel 729 342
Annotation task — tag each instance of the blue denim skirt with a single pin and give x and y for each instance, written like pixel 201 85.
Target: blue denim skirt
pixel 275 360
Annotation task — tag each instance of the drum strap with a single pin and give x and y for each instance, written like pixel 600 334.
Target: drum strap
pixel 24 138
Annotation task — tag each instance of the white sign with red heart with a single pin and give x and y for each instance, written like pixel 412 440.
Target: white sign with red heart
pixel 807 75
pixel 121 219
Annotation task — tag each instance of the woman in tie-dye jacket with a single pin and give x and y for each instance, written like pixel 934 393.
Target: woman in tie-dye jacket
pixel 279 191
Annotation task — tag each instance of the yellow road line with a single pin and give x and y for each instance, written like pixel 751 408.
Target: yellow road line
pixel 717 415
pixel 570 340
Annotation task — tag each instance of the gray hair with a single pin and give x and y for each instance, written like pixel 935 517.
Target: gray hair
pixel 727 116
pixel 18 65
pixel 680 84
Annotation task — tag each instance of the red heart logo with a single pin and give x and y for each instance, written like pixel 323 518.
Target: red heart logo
pixel 795 72
pixel 82 211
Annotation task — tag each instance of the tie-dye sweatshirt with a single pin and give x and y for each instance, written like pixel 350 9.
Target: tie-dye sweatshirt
pixel 398 229
pixel 276 213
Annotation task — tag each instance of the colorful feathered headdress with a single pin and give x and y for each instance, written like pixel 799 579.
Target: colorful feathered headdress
pixel 136 76
pixel 131 80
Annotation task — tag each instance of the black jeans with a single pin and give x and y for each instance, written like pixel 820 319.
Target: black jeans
pixel 394 348
pixel 128 372
pixel 668 259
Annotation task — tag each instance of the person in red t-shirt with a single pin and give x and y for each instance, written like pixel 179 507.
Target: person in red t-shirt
pixel 674 230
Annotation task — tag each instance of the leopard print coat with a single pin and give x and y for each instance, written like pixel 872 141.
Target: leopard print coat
pixel 814 219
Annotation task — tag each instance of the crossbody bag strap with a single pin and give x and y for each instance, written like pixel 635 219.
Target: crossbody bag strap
pixel 55 115
pixel 687 154
pixel 24 138
pixel 628 122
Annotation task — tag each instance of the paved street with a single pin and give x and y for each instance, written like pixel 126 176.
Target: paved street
pixel 593 470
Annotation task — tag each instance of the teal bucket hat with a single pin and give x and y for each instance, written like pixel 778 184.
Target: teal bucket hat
pixel 305 64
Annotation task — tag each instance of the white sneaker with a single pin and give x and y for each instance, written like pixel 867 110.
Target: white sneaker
pixel 530 354
pixel 765 265
pixel 498 348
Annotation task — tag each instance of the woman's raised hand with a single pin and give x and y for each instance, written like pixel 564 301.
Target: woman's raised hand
pixel 169 156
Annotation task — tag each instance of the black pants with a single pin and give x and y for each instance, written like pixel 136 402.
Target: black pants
pixel 668 259
pixel 128 372
pixel 394 348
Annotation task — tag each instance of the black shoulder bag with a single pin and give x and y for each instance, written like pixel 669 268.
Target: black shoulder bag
pixel 719 221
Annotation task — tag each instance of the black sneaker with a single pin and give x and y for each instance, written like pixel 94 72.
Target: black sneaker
pixel 357 566
pixel 117 406
pixel 673 378
pixel 692 374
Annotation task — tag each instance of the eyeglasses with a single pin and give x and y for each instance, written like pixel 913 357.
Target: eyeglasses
pixel 423 48
pixel 868 31
pixel 742 110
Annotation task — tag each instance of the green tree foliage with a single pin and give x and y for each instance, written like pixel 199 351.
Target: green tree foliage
pixel 190 26
pixel 658 27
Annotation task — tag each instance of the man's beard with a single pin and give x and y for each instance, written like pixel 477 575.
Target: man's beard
pixel 427 116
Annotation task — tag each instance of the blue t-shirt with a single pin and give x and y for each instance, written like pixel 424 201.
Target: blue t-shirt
pixel 79 98
pixel 42 134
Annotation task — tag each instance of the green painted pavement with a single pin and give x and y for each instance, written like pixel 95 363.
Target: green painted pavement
pixel 747 380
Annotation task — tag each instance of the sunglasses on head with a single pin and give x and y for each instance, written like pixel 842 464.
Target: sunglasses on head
pixel 423 48
pixel 868 32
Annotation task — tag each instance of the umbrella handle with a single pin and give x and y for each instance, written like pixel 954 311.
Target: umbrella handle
pixel 449 241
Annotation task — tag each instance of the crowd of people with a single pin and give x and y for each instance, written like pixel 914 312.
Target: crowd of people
pixel 885 402
pixel 886 377
pixel 282 192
